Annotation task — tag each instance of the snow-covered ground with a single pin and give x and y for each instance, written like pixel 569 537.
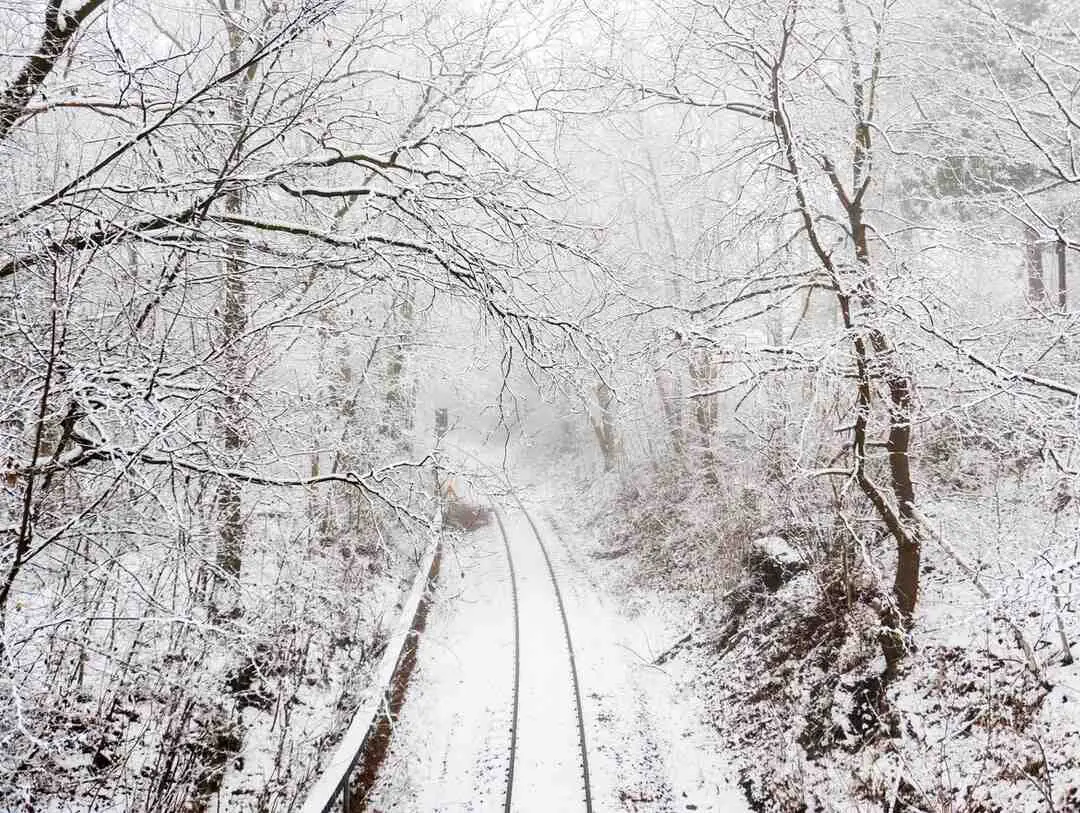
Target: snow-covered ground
pixel 646 746
pixel 649 749
pixel 449 748
pixel 790 676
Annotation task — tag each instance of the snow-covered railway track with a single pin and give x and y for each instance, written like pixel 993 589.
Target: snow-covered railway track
pixel 546 715
pixel 497 658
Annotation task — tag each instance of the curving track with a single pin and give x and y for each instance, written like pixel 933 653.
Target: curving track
pixel 545 681
pixel 494 716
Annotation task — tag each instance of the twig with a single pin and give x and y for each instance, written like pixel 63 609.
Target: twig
pixel 1021 640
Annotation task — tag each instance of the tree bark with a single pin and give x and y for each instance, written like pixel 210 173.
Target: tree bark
pixel 875 357
pixel 667 388
pixel 704 373
pixel 399 401
pixel 59 29
pixel 234 323
pixel 1033 266
pixel 1062 277
pixel 604 427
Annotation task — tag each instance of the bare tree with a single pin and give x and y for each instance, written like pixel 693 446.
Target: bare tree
pixel 241 182
pixel 762 59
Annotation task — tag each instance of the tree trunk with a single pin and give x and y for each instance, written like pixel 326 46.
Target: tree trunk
pixel 1062 277
pixel 704 373
pixel 901 523
pixel 234 323
pixel 604 426
pixel 399 399
pixel 667 388
pixel 908 535
pixel 1033 266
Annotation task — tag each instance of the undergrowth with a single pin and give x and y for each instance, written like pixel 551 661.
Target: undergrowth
pixel 793 677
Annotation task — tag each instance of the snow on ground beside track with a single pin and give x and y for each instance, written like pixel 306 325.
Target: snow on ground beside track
pixel 649 748
pixel 286 744
pixel 448 751
pixel 791 679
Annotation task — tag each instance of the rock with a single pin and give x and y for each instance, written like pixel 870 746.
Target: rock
pixel 774 562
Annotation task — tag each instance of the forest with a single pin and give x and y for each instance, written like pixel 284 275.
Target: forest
pixel 769 303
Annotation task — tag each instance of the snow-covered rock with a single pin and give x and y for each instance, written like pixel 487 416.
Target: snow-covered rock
pixel 774 561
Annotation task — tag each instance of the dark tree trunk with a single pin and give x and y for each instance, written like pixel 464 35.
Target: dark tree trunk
pixel 60 28
pixel 234 324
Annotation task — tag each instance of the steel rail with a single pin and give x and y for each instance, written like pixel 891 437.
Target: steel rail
pixel 574 681
pixel 517 666
pixel 582 740
pixel 570 651
pixel 335 785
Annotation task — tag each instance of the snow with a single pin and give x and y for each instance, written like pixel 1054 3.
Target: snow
pixel 548 772
pixel 336 770
pixel 647 747
pixel 778 549
pixel 791 679
pixel 652 751
pixel 449 745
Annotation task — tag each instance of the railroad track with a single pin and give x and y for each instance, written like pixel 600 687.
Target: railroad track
pixel 553 707
pixel 575 686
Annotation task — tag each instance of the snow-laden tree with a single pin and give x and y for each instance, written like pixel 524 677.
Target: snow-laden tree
pixel 792 90
pixel 224 229
pixel 862 170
